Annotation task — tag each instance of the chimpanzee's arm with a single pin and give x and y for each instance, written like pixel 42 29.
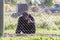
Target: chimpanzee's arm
pixel 32 19
pixel 32 24
pixel 19 26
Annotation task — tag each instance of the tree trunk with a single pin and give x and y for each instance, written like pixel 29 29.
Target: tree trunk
pixel 1 17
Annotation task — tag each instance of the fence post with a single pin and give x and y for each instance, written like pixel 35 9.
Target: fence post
pixel 1 18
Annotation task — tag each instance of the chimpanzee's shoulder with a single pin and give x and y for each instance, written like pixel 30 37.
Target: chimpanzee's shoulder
pixel 21 17
pixel 30 16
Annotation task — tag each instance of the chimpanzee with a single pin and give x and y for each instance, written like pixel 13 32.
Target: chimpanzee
pixel 26 24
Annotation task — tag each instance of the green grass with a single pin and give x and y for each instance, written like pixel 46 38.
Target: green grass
pixel 38 31
pixel 30 38
pixel 45 31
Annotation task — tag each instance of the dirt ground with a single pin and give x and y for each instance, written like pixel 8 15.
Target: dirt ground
pixel 26 35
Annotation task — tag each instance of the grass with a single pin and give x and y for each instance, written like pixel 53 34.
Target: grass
pixel 38 31
pixel 30 38
pixel 45 31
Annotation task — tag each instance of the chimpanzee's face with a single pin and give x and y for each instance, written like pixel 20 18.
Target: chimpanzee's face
pixel 26 16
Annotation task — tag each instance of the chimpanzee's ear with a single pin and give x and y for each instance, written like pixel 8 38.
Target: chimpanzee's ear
pixel 29 14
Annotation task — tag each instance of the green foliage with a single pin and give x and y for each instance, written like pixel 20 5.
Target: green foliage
pixel 30 38
pixel 14 2
pixel 11 26
pixel 48 25
pixel 57 22
pixel 46 21
pixel 48 3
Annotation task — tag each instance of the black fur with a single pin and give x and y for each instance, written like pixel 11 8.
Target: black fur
pixel 26 24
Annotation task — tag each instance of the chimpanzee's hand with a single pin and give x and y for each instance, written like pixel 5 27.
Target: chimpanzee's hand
pixel 30 21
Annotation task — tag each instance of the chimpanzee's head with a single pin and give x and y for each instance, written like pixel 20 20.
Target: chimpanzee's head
pixel 25 15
